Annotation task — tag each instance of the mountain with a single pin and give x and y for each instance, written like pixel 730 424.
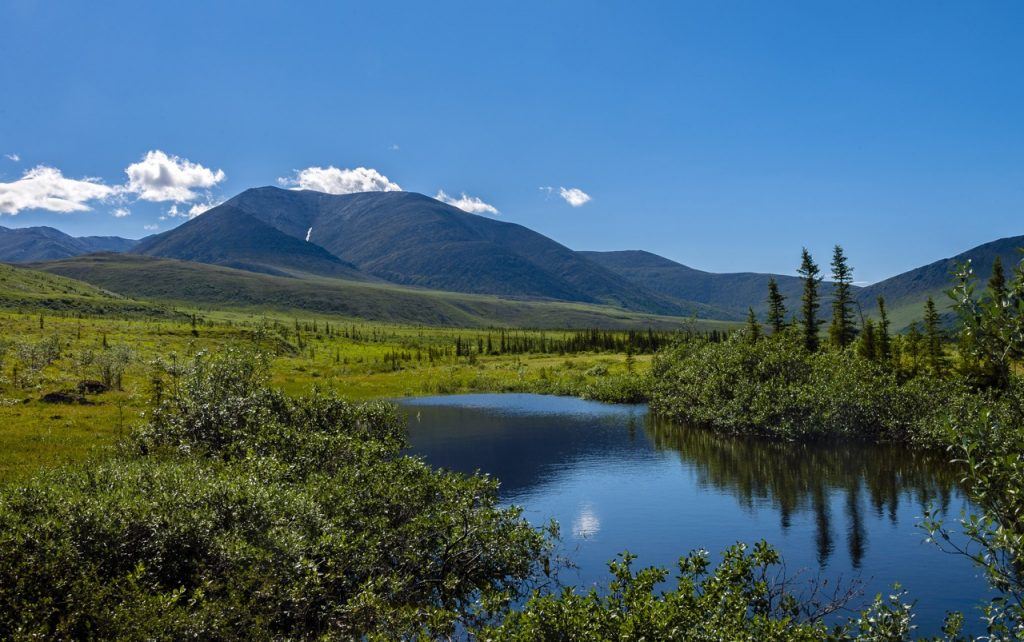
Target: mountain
pixel 24 244
pixel 905 293
pixel 731 292
pixel 412 239
pixel 106 243
pixel 228 236
pixel 174 282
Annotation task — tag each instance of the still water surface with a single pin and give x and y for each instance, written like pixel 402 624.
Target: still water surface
pixel 616 478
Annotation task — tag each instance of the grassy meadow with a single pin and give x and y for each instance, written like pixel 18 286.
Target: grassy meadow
pixel 46 353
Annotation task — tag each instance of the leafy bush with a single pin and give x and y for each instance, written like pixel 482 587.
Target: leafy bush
pixel 746 597
pixel 775 387
pixel 239 512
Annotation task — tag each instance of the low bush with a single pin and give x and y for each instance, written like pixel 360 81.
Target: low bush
pixel 775 387
pixel 238 512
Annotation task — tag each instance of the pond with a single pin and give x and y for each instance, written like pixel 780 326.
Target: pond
pixel 617 478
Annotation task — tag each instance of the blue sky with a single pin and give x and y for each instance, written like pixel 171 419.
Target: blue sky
pixel 723 135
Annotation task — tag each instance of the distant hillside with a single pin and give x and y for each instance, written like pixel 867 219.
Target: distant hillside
pixel 412 239
pixel 27 290
pixel 228 236
pixel 905 293
pixel 25 244
pixel 733 292
pixel 211 286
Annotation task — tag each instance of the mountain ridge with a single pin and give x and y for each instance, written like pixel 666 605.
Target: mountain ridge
pixel 42 243
pixel 414 240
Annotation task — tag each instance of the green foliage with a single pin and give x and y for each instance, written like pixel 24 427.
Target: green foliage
pixel 239 512
pixel 753 327
pixel 842 331
pixel 992 325
pixel 810 301
pixel 990 445
pixel 776 307
pixel 738 599
pixel 883 342
pixel 746 597
pixel 933 340
pixel 775 387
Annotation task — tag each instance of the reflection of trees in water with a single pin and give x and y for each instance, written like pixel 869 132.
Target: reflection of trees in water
pixel 799 477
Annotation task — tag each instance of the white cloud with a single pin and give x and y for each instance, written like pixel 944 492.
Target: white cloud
pixel 160 177
pixel 201 208
pixel 471 204
pixel 394 147
pixel 574 196
pixel 121 212
pixel 46 188
pixel 197 208
pixel 340 181
pixel 151 228
pixel 12 157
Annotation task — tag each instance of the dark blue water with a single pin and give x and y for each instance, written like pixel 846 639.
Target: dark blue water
pixel 616 479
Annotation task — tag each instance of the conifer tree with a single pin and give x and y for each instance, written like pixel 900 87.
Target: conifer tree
pixel 868 345
pixel 842 331
pixel 883 343
pixel 913 346
pixel 810 301
pixel 753 327
pixel 776 307
pixel 933 338
pixel 997 282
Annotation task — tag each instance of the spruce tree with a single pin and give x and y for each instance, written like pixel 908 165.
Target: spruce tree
pixel 997 282
pixel 776 307
pixel 810 301
pixel 753 327
pixel 933 338
pixel 842 331
pixel 867 347
pixel 914 346
pixel 883 343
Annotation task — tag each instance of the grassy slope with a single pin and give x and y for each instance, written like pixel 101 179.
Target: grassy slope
pixel 194 284
pixel 906 293
pixel 30 290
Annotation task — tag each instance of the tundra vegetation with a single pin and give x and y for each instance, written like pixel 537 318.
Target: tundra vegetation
pixel 238 493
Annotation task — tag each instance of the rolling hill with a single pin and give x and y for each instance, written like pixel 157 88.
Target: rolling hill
pixel 905 293
pixel 26 244
pixel 232 238
pixel 730 292
pixel 23 289
pixel 185 283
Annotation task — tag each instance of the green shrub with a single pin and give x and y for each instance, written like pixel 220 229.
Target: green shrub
pixel 777 388
pixel 746 597
pixel 238 512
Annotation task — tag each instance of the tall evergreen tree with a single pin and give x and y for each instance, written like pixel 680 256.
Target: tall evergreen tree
pixel 842 330
pixel 810 301
pixel 753 327
pixel 913 346
pixel 933 338
pixel 776 307
pixel 883 343
pixel 997 282
pixel 867 346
